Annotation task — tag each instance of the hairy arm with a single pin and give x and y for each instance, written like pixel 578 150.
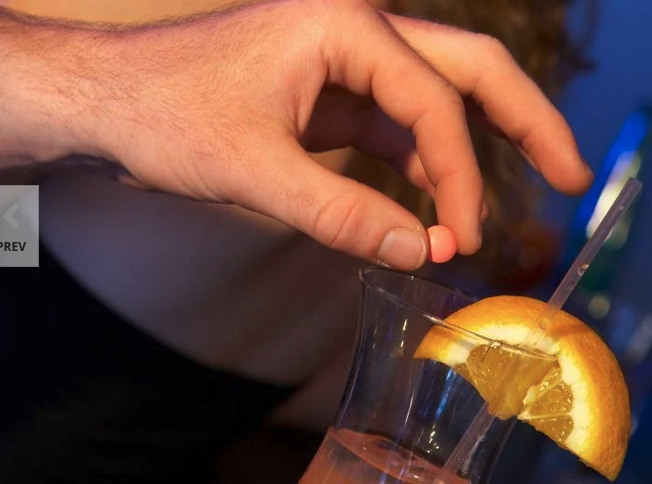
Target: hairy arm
pixel 225 108
pixel 46 123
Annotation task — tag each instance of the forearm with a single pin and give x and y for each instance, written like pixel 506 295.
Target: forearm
pixel 43 79
pixel 69 89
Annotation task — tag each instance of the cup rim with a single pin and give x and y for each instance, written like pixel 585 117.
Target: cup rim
pixel 366 281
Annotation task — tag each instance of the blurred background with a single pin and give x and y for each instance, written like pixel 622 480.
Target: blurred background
pixel 608 108
pixel 608 103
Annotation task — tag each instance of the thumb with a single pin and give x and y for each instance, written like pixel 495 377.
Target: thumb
pixel 341 213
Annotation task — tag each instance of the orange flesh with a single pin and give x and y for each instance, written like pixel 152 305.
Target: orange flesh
pixel 553 401
pixel 504 396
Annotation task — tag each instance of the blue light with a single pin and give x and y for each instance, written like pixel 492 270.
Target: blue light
pixel 629 139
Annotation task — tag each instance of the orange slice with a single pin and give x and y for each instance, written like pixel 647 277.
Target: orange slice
pixel 579 400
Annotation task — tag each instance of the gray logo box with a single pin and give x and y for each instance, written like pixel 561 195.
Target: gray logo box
pixel 19 226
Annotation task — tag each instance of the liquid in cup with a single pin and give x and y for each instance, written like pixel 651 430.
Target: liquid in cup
pixel 401 417
pixel 350 457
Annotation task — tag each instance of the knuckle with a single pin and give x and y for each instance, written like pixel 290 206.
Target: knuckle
pixel 335 10
pixel 338 223
pixel 492 47
pixel 336 23
pixel 346 4
pixel 450 98
pixel 454 99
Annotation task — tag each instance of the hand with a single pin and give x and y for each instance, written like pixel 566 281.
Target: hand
pixel 226 107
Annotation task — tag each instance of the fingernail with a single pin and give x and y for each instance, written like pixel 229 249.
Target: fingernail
pixel 403 249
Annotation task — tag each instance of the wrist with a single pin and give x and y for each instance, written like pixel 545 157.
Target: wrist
pixel 43 93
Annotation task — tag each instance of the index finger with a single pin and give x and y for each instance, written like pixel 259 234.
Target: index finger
pixel 482 68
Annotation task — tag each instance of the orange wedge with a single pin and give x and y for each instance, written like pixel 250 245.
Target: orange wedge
pixel 579 399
